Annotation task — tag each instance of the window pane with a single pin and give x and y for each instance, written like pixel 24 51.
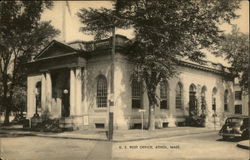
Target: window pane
pixel 238 109
pixel 102 92
pixel 238 95
pixel 164 104
pixel 163 95
pixel 178 98
pixel 226 100
pixel 136 94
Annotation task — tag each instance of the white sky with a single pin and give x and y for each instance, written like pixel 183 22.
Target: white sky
pixel 73 23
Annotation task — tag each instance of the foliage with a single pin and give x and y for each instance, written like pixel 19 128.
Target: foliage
pixel 235 48
pixel 21 35
pixel 165 32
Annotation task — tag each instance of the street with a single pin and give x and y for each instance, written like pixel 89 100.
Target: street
pixel 197 146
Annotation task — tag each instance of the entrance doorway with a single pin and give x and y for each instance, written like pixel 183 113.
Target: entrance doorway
pixel 65 103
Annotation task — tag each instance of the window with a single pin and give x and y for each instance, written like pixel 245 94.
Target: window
pixel 226 100
pixel 101 92
pixel 203 99
pixel 238 95
pixel 238 109
pixel 163 95
pixel 192 100
pixel 214 99
pixel 178 98
pixel 136 94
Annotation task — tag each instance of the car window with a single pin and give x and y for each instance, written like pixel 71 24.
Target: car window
pixel 234 121
pixel 246 122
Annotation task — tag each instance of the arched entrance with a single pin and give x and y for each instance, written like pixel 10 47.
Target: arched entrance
pixel 65 103
pixel 65 94
pixel 192 101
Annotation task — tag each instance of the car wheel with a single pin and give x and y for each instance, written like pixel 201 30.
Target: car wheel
pixel 245 135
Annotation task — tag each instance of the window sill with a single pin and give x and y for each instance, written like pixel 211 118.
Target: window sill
pixel 104 109
pixel 179 108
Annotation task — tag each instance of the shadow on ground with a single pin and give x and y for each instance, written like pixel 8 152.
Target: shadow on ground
pixel 230 139
pixel 13 135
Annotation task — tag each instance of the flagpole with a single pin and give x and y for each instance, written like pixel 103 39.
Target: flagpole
pixel 63 22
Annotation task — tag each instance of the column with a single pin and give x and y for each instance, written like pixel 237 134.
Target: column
pixel 43 96
pixel 48 91
pixel 78 89
pixel 72 91
pixel 30 97
pixel 85 108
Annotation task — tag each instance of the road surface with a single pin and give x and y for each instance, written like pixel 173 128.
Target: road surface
pixel 207 146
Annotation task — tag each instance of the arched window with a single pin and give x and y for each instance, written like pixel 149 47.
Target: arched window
pixel 214 99
pixel 226 100
pixel 192 100
pixel 102 91
pixel 178 97
pixel 163 95
pixel 136 94
pixel 203 99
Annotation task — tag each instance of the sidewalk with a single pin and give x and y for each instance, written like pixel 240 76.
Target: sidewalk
pixel 118 136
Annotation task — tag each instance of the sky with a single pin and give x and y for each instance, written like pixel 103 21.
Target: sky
pixel 73 23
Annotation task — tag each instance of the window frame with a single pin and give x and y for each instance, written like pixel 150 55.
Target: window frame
pixel 101 92
pixel 136 94
pixel 180 94
pixel 240 109
pixel 164 95
pixel 214 99
pixel 238 95
pixel 226 93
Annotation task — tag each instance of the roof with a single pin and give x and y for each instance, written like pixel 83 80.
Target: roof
pixel 84 47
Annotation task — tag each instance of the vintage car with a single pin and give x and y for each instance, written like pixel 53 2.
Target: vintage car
pixel 236 127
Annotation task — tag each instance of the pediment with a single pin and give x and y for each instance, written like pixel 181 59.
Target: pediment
pixel 55 49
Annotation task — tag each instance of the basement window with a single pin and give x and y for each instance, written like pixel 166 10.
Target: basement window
pixel 99 125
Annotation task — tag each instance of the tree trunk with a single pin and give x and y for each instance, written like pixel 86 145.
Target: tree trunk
pixel 152 104
pixel 5 99
pixel 151 118
pixel 7 114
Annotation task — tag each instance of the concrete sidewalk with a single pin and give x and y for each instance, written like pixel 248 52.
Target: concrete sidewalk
pixel 101 134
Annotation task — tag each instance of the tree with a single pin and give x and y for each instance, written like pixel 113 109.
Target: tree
pixel 21 35
pixel 235 49
pixel 165 32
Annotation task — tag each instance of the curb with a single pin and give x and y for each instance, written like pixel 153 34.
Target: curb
pixel 101 139
pixel 158 137
pixel 243 146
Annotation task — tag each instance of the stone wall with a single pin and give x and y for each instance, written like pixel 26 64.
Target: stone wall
pixel 125 116
pixel 32 80
pixel 98 65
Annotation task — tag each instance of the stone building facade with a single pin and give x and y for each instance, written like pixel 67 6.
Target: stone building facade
pixel 72 82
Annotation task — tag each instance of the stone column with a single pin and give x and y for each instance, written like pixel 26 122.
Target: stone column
pixel 43 96
pixel 84 83
pixel 72 91
pixel 48 91
pixel 30 97
pixel 78 93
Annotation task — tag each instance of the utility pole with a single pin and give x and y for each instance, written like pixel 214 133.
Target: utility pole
pixel 111 100
pixel 112 92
